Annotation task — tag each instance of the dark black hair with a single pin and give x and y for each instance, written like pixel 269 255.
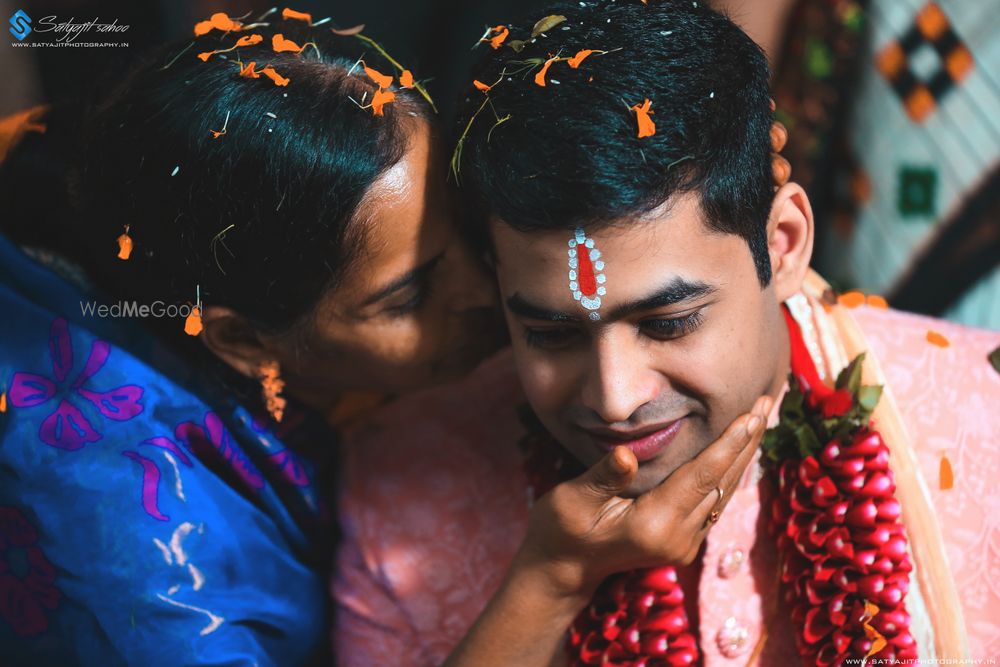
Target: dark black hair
pixel 263 217
pixel 569 154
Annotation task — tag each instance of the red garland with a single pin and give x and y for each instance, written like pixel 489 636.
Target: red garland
pixel 845 564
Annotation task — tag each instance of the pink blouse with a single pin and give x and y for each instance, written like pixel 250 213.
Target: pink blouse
pixel 434 504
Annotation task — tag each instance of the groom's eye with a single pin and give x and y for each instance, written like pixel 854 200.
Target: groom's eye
pixel 670 328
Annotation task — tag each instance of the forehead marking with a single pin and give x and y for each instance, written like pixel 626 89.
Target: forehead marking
pixel 586 272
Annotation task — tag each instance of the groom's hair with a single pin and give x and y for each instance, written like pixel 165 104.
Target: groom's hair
pixel 568 154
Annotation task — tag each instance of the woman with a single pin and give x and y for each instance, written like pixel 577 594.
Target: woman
pixel 162 493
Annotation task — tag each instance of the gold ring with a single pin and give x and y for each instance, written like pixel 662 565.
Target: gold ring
pixel 716 513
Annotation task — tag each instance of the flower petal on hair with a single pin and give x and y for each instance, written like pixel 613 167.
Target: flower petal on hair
pixel 647 127
pixel 540 75
pixel 270 73
pixel 280 44
pixel 287 13
pixel 248 70
pixel 381 98
pixel 500 33
pixel 382 80
pixel 580 56
pixel 249 40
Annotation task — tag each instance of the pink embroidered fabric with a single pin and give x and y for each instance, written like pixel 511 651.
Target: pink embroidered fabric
pixel 434 504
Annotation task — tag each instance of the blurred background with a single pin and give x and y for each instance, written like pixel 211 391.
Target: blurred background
pixel 892 106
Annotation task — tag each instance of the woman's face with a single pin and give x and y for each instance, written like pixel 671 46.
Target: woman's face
pixel 415 308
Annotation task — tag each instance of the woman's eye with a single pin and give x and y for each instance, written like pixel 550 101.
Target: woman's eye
pixel 666 329
pixel 549 339
pixel 408 306
pixel 414 303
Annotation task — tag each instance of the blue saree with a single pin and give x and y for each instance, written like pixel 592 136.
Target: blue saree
pixel 145 519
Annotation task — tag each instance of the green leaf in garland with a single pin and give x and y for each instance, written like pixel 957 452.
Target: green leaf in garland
pixel 868 397
pixel 791 407
pixel 808 442
pixel 850 377
pixel 995 359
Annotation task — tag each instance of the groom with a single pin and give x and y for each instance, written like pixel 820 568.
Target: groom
pixel 622 158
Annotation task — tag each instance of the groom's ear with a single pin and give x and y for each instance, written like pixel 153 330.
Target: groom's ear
pixel 789 239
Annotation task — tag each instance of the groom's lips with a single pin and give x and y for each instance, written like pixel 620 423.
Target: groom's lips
pixel 645 443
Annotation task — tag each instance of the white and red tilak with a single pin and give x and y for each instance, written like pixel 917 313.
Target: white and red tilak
pixel 586 272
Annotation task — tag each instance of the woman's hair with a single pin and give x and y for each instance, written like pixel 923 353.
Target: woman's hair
pixel 264 217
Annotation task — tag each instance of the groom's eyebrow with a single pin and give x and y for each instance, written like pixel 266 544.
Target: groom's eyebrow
pixel 521 306
pixel 677 290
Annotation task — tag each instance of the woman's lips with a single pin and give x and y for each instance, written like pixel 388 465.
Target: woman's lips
pixel 645 447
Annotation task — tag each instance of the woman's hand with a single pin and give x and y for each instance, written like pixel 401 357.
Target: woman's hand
pixel 583 530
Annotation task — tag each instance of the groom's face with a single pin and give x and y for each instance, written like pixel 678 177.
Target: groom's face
pixel 686 338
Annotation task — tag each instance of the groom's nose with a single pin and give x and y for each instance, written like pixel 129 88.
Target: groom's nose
pixel 619 380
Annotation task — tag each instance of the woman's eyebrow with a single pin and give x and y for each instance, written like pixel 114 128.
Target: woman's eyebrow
pixel 409 278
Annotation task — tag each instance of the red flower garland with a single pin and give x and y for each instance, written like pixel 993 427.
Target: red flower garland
pixel 845 564
pixel 844 552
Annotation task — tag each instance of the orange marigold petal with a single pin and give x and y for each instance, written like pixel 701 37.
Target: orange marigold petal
pixel 406 79
pixel 381 98
pixel 192 324
pixel 124 246
pixel 273 75
pixel 280 44
pixel 3 402
pixel 222 21
pixel 481 86
pixel 203 28
pixel 248 70
pixel 647 127
pixel 382 80
pixel 851 299
pixel 876 301
pixel 249 40
pixel 501 34
pixel 935 338
pixel 540 75
pixel 580 56
pixel 287 13
pixel 946 476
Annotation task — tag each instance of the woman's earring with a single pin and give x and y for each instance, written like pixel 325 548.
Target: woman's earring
pixel 271 385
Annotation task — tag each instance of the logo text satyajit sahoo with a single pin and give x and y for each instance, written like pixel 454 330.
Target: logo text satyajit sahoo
pixel 65 30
